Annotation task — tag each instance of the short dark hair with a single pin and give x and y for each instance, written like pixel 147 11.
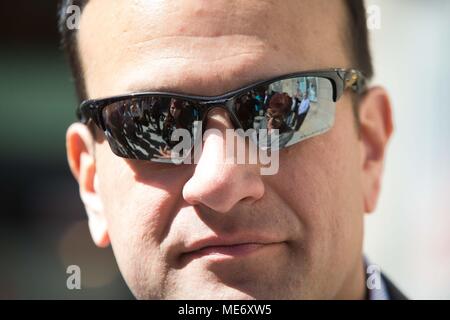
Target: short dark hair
pixel 356 35
pixel 70 45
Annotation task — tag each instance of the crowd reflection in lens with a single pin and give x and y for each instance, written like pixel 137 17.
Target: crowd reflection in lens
pixel 270 108
pixel 142 129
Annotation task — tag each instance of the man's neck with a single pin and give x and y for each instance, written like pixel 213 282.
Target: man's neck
pixel 354 287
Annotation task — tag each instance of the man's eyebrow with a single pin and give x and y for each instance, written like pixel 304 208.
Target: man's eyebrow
pixel 162 89
pixel 144 86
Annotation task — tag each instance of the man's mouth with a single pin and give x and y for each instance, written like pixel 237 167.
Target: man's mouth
pixel 220 249
pixel 231 250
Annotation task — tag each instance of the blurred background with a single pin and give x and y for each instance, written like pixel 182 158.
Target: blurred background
pixel 409 234
pixel 43 228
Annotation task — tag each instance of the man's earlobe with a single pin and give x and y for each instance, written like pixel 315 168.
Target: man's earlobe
pixel 81 158
pixel 376 127
pixel 97 221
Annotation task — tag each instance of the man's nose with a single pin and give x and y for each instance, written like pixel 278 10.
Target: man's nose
pixel 218 181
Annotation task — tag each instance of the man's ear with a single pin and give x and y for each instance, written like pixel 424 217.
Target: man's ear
pixel 80 154
pixel 376 127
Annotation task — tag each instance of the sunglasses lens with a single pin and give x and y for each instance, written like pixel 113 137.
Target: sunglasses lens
pixel 281 113
pixel 142 128
pixel 288 111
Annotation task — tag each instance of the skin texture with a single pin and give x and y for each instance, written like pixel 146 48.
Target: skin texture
pixel 309 216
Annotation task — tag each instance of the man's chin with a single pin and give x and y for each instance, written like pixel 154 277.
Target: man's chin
pixel 214 292
pixel 259 275
pixel 205 285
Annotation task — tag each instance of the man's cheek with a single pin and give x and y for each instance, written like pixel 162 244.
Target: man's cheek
pixel 142 210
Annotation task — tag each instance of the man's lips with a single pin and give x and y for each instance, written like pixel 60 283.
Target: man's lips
pixel 231 250
pixel 226 248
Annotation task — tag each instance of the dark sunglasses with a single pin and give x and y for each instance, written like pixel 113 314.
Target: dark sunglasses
pixel 298 105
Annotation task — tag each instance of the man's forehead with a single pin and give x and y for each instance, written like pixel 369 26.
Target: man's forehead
pixel 202 46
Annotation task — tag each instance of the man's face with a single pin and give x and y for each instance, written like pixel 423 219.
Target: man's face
pixel 306 220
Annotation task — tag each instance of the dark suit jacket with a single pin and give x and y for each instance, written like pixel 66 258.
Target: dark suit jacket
pixel 394 292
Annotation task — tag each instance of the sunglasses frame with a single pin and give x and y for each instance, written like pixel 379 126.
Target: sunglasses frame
pixel 341 79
